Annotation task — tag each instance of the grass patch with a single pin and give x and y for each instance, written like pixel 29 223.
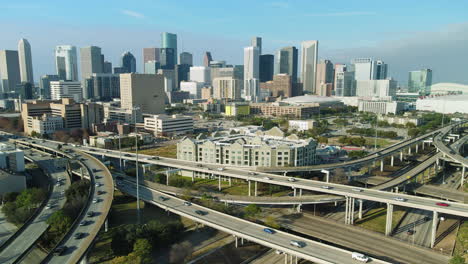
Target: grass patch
pixel 123 212
pixel 169 151
pixel 461 245
pixel 375 219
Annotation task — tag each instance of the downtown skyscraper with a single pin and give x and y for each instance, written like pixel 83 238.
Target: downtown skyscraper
pixel 128 62
pixel 66 62
pixel 9 70
pixel 420 81
pixel 25 61
pixel 91 61
pixel 286 62
pixel 251 73
pixel 169 41
pixel 309 65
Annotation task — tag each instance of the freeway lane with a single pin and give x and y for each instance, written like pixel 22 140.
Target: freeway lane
pixel 38 226
pixel 313 251
pixel 317 186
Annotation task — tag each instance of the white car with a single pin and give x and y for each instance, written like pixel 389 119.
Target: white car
pixel 95 200
pixel 357 190
pixel 296 243
pixel 221 169
pixel 325 187
pixel 359 257
pixel 399 199
pixel 266 178
pixel 48 206
pixel 291 179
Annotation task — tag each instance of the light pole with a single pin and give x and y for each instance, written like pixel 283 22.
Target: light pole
pixel 135 109
pixel 375 139
pixel 120 151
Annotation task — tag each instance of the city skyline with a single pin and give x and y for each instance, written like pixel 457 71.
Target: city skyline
pixel 401 45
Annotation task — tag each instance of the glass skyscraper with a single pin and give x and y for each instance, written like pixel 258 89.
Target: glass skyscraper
pixel 169 40
pixel 420 81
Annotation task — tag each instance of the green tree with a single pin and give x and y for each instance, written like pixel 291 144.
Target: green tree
pixel 252 209
pixel 142 248
pixel 59 222
pixel 323 140
pixel 271 222
pixel 414 132
pixel 457 259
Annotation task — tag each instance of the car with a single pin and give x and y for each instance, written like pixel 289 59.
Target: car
pixel 296 243
pixel 156 158
pixel 291 179
pixel 359 257
pixel 98 184
pixel 266 178
pixel 199 165
pixel 97 177
pixel 48 206
pixel 58 184
pixel 95 170
pixel 127 155
pixel 253 173
pixel 95 200
pixel 443 204
pixel 357 190
pixel 326 187
pixel 162 198
pixel 269 231
pixel 410 232
pixel 78 235
pixel 279 252
pixel 400 199
pixel 58 251
pixel 100 192
pixel 221 169
pixel 83 223
pixel 200 212
pixel 187 203
pixel 90 214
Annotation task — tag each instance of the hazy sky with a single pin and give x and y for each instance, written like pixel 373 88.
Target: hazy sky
pixel 408 35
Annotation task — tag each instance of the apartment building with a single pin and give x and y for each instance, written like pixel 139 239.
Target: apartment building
pixel 276 110
pixel 165 125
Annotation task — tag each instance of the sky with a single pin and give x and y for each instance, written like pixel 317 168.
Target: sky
pixel 408 35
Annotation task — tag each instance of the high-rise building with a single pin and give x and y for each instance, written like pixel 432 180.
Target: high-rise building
pixel 252 90
pixel 145 91
pixel 236 72
pixel 200 74
pixel 194 88
pixel 217 64
pixel 186 58
pixel 257 42
pixel 345 84
pixel 207 59
pixel 25 61
pixel 169 40
pixel 309 65
pixel 66 62
pixel 150 54
pixel 25 90
pixel 66 89
pixel 182 73
pixel 324 73
pixel 170 84
pixel 251 63
pixel 286 62
pixel 324 89
pixel 420 81
pixel 128 62
pixel 266 67
pixel 227 88
pixel 90 61
pixel 44 85
pixel 167 58
pixel 280 86
pixel 103 86
pixel 107 67
pixel 376 88
pixel 152 67
pixel 369 69
pixel 9 70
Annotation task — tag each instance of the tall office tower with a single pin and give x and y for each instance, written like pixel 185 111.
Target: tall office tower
pixel 107 67
pixel 9 70
pixel 25 61
pixel 337 69
pixel 369 69
pixel 257 42
pixel 90 61
pixel 25 90
pixel 236 72
pixel 167 58
pixel 227 88
pixel 207 59
pixel 309 65
pixel 145 91
pixel 152 67
pixel 345 84
pixel 44 85
pixel 169 41
pixel 420 81
pixel 194 89
pixel 280 86
pixel 251 63
pixel 66 62
pixel 103 86
pixel 169 79
pixel 150 54
pixel 200 74
pixel 380 70
pixel 252 90
pixel 186 58
pixel 324 72
pixel 128 62
pixel 266 67
pixel 182 73
pixel 286 62
pixel 66 89
pixel 102 62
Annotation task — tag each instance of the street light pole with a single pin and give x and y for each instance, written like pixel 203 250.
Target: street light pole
pixel 136 164
pixel 375 139
pixel 120 152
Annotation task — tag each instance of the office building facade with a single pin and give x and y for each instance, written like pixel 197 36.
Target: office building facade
pixel 91 62
pixel 194 89
pixel 280 86
pixel 227 88
pixel 152 67
pixel 420 81
pixel 165 125
pixel 207 58
pixel 128 62
pixel 309 65
pixel 66 89
pixel 44 85
pixel 286 62
pixel 369 69
pixel 66 62
pixel 186 58
pixel 267 63
pixel 150 54
pixel 167 58
pixel 345 84
pixel 376 88
pixel 200 74
pixel 25 61
pixel 10 75
pixel 169 40
pixel 325 73
pixel 145 91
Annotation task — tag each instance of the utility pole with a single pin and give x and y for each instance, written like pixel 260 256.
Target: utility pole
pixel 136 108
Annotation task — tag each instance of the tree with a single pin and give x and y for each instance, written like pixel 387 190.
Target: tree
pixel 252 209
pixel 457 259
pixel 180 252
pixel 323 140
pixel 414 132
pixel 142 248
pixel 271 222
pixel 59 222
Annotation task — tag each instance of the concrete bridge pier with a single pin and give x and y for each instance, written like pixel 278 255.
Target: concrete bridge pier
pixel 299 208
pixel 462 180
pixel 392 159
pixel 81 173
pixel 401 155
pixel 327 175
pixel 124 164
pixel 250 189
pixel 417 146
pixel 349 212
pixel 382 164
pixel 409 150
pixel 360 209
pixel 388 222
pixel 435 221
pixel 85 259
pixel 219 182
pixel 230 182
pixel 255 193
pixel 236 241
pixel 300 192
pixel 295 192
pixel 106 225
pixel 423 145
